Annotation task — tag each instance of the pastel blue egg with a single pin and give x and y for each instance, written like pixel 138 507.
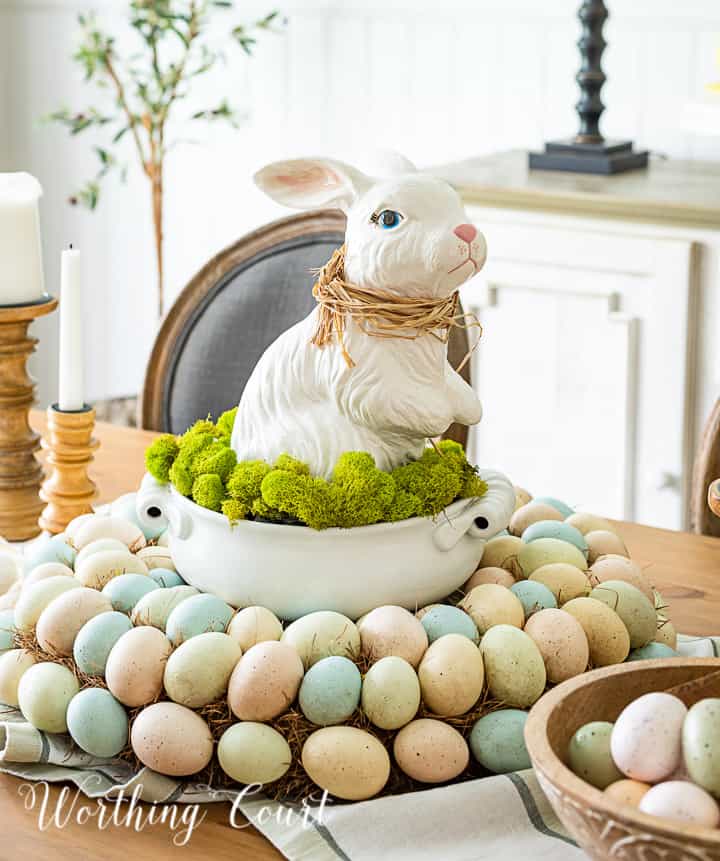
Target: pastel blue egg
pixel 97 722
pixel 96 638
pixel 54 549
pixel 652 650
pixel 7 629
pixel 497 741
pixel 330 691
pixel 443 619
pixel 557 504
pixel 533 596
pixel 125 507
pixel 556 529
pixel 197 615
pixel 165 578
pixel 126 590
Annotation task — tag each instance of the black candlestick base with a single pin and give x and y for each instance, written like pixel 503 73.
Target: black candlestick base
pixel 602 157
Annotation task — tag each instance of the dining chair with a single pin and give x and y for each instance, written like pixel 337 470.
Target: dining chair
pixel 233 309
pixel 706 474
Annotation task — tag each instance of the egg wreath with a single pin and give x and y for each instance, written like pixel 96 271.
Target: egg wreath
pixel 106 642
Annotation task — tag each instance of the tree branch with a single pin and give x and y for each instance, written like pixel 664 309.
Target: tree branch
pixel 131 118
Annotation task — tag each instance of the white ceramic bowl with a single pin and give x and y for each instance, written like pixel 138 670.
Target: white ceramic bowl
pixel 294 570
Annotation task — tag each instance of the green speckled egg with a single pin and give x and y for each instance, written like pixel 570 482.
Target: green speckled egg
pixel 198 671
pixel 652 650
pixel 44 693
pixel 546 551
pixel 7 629
pixel 95 640
pixel 533 596
pixel 441 619
pixel 498 743
pixel 251 752
pixel 155 607
pixel 126 590
pixel 701 744
pixel 198 615
pixel 97 722
pixel 330 691
pixel 637 613
pixel 165 578
pixel 556 529
pixel 589 754
pixel 514 668
pixel 49 550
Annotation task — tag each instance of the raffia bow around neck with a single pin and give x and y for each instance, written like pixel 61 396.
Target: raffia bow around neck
pixel 382 314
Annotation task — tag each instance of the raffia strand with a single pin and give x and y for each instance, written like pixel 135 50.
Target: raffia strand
pixel 382 314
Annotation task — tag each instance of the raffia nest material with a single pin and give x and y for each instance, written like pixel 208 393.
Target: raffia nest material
pixel 380 313
pixel 293 726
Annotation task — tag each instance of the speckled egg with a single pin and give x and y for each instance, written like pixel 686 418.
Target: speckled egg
pixel 652 651
pixel 13 664
pixel 490 604
pixel 7 630
pixel 514 667
pixel 395 631
pixel 99 546
pixel 441 619
pixel 125 508
pixel 54 549
pixel 681 801
pixel 265 681
pixel 627 792
pixel 95 640
pixel 198 671
pixel 157 557
pixel 497 741
pixel 531 513
pixel 135 666
pixel 502 552
pixel 606 634
pixel 165 578
pixel 564 581
pixel 109 526
pixel 99 569
pixel 126 590
pixel 636 612
pixel 60 621
pixel 253 625
pixel 35 597
pixel 619 568
pixel 557 504
pixel 251 752
pixel 322 634
pixel 600 542
pixel 489 575
pixel 556 529
pixel 390 693
pixel 586 522
pixel 197 615
pixel 347 762
pixel 561 642
pixel 171 739
pixel 701 744
pixel 548 551
pixel 97 723
pixel 533 596
pixel 451 675
pixel 44 693
pixel 431 751
pixel 155 607
pixel 45 571
pixel 589 754
pixel 330 691
pixel 647 736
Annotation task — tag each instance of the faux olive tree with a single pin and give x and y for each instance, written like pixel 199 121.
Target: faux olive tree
pixel 143 87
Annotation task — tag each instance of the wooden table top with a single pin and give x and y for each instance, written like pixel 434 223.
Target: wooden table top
pixel 684 567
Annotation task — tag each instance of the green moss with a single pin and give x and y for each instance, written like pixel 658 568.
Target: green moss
pixel 362 493
pixel 215 458
pixel 159 457
pixel 433 479
pixel 291 464
pixel 234 510
pixel 245 480
pixel 208 491
pixel 181 477
pixel 300 496
pixel 403 506
pixel 226 422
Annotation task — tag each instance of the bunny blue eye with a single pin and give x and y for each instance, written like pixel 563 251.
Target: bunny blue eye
pixel 387 219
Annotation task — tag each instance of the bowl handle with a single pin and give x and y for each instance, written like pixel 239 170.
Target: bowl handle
pixel 481 517
pixel 155 507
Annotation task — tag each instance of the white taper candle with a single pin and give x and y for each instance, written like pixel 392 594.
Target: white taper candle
pixel 70 365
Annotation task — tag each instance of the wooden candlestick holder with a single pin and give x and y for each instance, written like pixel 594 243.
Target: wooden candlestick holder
pixel 20 471
pixel 67 490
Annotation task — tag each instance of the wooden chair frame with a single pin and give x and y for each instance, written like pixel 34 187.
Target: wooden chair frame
pixel 706 471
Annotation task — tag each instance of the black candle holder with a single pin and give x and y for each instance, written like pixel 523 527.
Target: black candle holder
pixel 588 151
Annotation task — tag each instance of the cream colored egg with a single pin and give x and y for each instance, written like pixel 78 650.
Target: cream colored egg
pixel 522 497
pixel 637 613
pixel 265 681
pixel 198 671
pixel 9 571
pixel 155 607
pixel 104 526
pixel 98 570
pixel 321 634
pixel 250 752
pixel 489 575
pixel 606 634
pixel 157 557
pixel 531 513
pixel 666 632
pixel 99 546
pixel 171 739
pixel 563 580
pixel 253 625
pixel 60 621
pixel 614 567
pixel 585 522
pixel 502 552
pixel 392 630
pixel 347 762
pixel 72 528
pixel 13 664
pixel 431 751
pixel 44 694
pixel 35 598
pixel 136 664
pixel 390 693
pixel 164 539
pixel 681 801
pixel 561 642
pixel 514 668
pixel 548 551
pixel 627 792
pixel 45 571
pixel 600 542
pixel 451 675
pixel 490 604
pixel 11 597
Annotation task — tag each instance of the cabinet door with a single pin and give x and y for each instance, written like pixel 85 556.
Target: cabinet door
pixel 583 367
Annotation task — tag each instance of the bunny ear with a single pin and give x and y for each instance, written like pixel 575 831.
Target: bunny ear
pixel 312 183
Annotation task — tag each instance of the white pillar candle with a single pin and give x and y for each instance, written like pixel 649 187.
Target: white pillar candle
pixel 21 270
pixel 70 365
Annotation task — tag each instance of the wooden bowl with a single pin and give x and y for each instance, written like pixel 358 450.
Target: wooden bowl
pixel 602 827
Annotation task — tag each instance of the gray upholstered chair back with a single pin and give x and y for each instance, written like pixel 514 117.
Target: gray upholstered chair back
pixel 231 311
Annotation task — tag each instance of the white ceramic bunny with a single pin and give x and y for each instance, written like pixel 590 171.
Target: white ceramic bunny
pixel 406 234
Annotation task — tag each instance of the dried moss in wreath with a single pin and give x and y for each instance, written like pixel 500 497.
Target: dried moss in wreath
pixel 201 465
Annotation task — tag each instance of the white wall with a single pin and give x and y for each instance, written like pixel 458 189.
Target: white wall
pixel 437 80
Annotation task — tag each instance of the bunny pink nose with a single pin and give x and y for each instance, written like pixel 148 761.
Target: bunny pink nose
pixel 466 232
